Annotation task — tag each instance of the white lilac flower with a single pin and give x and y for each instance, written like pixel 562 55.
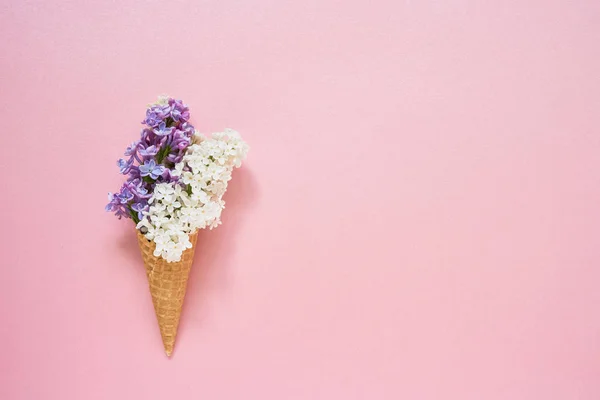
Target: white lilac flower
pixel 178 208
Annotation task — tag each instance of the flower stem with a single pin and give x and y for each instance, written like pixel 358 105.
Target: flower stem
pixel 162 154
pixel 133 214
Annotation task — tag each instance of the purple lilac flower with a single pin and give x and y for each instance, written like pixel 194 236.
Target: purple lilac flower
pixel 134 173
pixel 115 206
pixel 179 140
pixel 162 129
pixel 176 115
pixel 153 117
pixel 145 135
pixel 164 110
pixel 162 144
pixel 140 208
pixel 124 166
pixel 183 144
pixel 113 202
pixel 148 152
pixel 132 148
pixel 125 196
pixel 138 188
pixel 117 203
pixel 179 111
pixel 174 158
pixel 167 177
pixel 149 168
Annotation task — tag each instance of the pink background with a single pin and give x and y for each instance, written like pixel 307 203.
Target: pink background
pixel 419 216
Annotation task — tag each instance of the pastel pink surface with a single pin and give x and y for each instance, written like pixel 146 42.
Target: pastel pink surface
pixel 418 217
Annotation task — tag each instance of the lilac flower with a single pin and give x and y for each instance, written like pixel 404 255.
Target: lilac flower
pixel 149 168
pixel 162 130
pixel 185 115
pixel 166 175
pixel 153 117
pixel 188 129
pixel 138 188
pixel 175 158
pixel 114 206
pixel 180 140
pixel 124 166
pixel 118 204
pixel 180 116
pixel 183 144
pixel 174 103
pixel 179 111
pixel 142 192
pixel 163 143
pixel 145 135
pixel 113 202
pixel 148 152
pixel 140 208
pixel 134 173
pixel 125 196
pixel 163 110
pixel 132 148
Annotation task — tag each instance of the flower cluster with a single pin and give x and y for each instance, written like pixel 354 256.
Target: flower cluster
pixel 176 178
pixel 195 200
pixel 163 142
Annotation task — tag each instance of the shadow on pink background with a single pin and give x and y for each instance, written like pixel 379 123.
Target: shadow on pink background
pixel 418 217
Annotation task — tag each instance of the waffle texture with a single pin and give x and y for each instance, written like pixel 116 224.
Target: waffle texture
pixel 167 282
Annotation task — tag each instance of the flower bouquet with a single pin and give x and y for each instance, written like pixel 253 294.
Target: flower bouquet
pixel 176 179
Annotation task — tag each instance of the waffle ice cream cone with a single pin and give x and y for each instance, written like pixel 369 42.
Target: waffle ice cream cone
pixel 167 282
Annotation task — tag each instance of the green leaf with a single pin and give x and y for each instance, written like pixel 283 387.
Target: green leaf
pixel 162 154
